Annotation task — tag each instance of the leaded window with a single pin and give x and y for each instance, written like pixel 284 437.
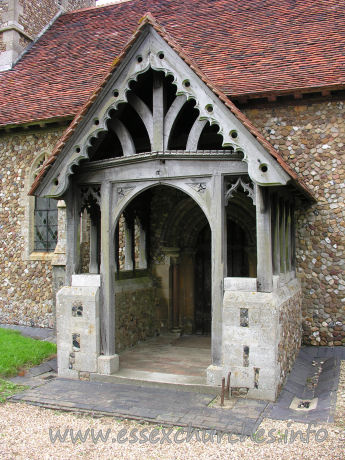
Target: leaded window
pixel 46 224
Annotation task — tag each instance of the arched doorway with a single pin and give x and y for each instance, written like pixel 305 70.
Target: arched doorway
pixel 162 239
pixel 163 260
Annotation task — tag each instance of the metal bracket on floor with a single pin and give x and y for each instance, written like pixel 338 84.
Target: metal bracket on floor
pixel 225 390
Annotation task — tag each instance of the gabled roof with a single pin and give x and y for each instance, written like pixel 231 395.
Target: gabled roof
pixel 244 47
pixel 148 19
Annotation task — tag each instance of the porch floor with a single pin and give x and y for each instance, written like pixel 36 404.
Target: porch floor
pixel 166 359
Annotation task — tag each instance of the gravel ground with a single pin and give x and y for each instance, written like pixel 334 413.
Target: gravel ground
pixel 24 434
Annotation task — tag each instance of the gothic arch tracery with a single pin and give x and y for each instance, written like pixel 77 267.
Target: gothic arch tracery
pixel 119 100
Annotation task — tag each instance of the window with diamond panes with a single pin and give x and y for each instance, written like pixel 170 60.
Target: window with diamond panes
pixel 46 224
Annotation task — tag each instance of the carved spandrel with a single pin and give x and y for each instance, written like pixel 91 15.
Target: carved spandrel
pixel 90 196
pixel 123 191
pixel 248 187
pixel 199 187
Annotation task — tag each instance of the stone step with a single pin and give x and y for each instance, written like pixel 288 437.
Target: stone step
pixel 158 380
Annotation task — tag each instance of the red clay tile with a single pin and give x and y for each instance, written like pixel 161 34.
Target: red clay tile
pixel 244 47
pixel 149 19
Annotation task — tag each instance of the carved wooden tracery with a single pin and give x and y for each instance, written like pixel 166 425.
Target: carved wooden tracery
pixel 159 127
pixel 248 187
pixel 104 116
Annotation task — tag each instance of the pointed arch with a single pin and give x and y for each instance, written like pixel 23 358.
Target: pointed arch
pixel 171 117
pixel 194 135
pixel 144 113
pixel 125 138
pixel 36 213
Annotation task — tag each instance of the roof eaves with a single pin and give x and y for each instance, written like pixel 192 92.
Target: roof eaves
pixel 287 92
pixel 84 109
pixel 149 19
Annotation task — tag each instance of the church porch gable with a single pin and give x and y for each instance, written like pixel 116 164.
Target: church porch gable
pixel 140 134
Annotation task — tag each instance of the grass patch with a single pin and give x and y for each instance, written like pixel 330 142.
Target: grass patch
pixel 8 389
pixel 17 351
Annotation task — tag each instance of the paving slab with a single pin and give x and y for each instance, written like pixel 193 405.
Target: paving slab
pixel 298 385
pixel 167 406
pixel 28 381
pixel 39 333
pixel 53 364
pixel 151 404
pixel 39 370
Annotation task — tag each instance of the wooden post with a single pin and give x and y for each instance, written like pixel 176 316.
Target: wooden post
pixel 218 242
pixel 282 237
pixel 293 239
pixel 158 113
pixel 264 240
pixel 228 390
pixel 129 246
pixel 72 234
pixel 288 237
pixel 107 273
pixel 175 294
pixel 222 392
pixel 142 246
pixel 275 235
pixel 116 243
pixel 93 266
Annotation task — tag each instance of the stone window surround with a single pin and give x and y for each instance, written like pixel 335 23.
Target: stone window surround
pixel 28 203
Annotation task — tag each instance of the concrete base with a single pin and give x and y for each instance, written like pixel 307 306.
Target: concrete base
pixel 108 364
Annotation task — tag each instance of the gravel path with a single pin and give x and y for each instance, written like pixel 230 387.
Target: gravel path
pixel 24 434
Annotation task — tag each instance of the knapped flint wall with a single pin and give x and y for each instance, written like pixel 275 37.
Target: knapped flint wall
pixel 311 138
pixel 25 285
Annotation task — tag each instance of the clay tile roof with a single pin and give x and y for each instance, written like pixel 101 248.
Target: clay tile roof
pixel 246 47
pixel 149 19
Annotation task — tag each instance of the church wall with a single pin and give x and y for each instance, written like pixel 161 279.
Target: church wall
pixel 78 4
pixel 162 205
pixel 141 302
pixel 24 20
pixel 136 304
pixel 36 15
pixel 25 281
pixel 3 9
pixel 290 336
pixel 142 298
pixel 311 138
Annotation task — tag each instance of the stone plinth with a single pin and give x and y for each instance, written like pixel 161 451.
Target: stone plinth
pixel 260 340
pixel 78 330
